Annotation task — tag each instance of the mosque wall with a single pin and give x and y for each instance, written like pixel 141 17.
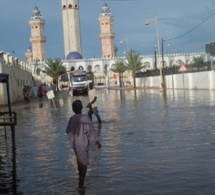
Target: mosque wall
pixel 20 74
pixel 188 81
pixel 101 67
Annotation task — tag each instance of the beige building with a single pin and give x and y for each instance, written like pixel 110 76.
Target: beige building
pixel 20 74
pixel 106 32
pixel 36 53
pixel 71 26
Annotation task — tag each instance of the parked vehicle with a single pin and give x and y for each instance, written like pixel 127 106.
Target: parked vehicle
pixel 78 81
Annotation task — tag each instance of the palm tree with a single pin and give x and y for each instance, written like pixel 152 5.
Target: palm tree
pixel 54 69
pixel 198 61
pixel 119 68
pixel 134 64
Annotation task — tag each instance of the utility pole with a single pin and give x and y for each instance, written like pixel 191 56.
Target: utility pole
pixel 162 69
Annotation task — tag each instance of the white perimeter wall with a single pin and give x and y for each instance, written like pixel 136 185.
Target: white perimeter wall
pixel 200 80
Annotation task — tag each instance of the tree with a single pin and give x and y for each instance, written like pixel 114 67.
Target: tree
pixel 54 69
pixel 134 64
pixel 119 68
pixel 198 62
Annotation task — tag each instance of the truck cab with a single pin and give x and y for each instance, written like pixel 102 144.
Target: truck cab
pixel 78 81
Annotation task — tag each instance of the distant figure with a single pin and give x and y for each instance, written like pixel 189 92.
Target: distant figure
pixel 43 89
pixel 35 91
pixel 40 91
pixel 25 94
pixel 93 103
pixel 80 134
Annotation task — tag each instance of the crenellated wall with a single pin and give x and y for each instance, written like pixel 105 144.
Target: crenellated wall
pixel 20 74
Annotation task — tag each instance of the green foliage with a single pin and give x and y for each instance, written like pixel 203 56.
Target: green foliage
pixel 119 68
pixel 134 64
pixel 54 69
pixel 198 62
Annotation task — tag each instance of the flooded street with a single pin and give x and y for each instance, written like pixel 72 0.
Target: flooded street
pixel 150 145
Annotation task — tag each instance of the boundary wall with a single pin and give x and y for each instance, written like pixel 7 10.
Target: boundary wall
pixel 20 74
pixel 188 81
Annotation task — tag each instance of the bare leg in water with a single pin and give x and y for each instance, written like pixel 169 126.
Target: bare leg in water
pixel 82 169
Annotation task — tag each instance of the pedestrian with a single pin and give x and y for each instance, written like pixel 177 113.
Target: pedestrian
pixel 93 106
pixel 40 91
pixel 80 135
pixel 25 94
pixel 28 90
pixel 35 91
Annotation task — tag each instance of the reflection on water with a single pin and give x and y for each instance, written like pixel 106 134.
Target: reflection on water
pixel 151 144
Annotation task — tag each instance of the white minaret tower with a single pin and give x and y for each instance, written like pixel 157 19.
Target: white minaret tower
pixel 71 26
pixel 106 34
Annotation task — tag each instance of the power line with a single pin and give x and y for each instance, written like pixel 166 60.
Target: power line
pixel 179 36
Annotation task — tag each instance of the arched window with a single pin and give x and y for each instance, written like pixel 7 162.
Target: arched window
pixel 64 7
pixel 105 69
pixel 147 65
pixel 70 6
pixel 171 63
pixel 76 6
pixel 179 62
pixel 113 66
pixel 89 68
pixel 97 68
pixel 164 64
pixel 80 68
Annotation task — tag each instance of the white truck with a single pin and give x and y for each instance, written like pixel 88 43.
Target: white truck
pixel 78 81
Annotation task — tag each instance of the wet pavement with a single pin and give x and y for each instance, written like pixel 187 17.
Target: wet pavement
pixel 151 145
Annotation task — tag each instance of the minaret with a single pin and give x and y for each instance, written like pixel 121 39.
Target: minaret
pixel 71 26
pixel 107 35
pixel 37 38
pixel 29 55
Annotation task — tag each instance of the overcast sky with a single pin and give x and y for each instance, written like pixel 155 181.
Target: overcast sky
pixel 185 25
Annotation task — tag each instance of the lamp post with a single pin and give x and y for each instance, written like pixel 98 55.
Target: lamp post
pixel 127 45
pixel 212 63
pixel 155 20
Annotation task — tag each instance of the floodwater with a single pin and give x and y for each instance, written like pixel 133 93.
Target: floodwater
pixel 151 145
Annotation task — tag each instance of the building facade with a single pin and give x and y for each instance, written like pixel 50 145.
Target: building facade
pixel 71 26
pixel 20 74
pixel 102 67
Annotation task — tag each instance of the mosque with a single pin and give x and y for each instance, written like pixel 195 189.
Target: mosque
pixel 29 72
pixel 101 67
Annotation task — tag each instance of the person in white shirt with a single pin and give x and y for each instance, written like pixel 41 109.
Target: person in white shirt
pixel 35 91
pixel 93 107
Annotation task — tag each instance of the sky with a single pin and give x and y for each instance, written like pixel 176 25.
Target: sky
pixel 184 25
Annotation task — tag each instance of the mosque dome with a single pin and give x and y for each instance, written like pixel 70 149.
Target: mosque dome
pixel 74 55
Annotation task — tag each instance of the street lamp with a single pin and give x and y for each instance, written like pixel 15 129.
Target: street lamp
pixel 125 41
pixel 212 63
pixel 155 20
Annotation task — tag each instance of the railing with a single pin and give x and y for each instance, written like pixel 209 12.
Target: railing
pixel 8 119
